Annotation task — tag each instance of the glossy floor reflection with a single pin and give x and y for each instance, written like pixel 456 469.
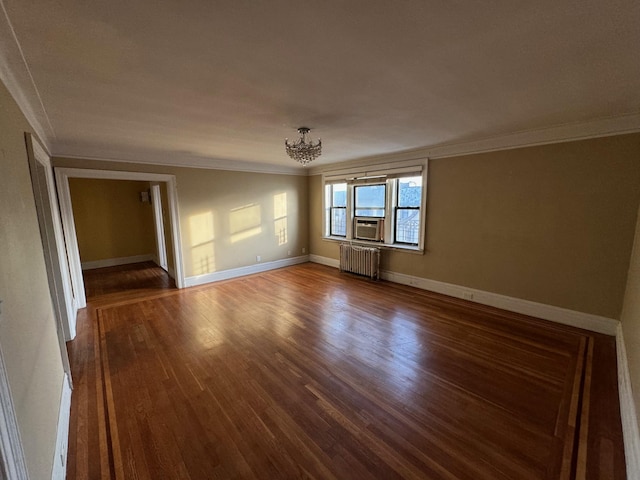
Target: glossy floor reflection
pixel 305 372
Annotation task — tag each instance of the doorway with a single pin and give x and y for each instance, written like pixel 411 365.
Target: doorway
pixel 173 228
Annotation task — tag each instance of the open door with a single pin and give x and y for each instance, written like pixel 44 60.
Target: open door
pixel 156 203
pixel 53 246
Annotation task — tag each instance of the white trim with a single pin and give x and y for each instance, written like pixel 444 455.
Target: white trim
pixel 565 316
pixel 66 208
pixel 170 159
pixel 156 204
pixel 16 76
pixel 595 323
pixel 70 237
pixel 569 132
pixel 112 262
pixel 12 461
pixel 347 173
pixel 242 271
pixel 114 174
pixel 59 471
pixel 628 414
pixel 388 175
pixel 56 255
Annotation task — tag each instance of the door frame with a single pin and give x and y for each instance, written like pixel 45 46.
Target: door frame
pixel 12 461
pixel 156 204
pixel 53 241
pixel 63 174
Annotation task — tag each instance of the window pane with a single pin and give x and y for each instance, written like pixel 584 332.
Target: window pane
pixel 339 221
pixel 339 195
pixel 370 200
pixel 409 191
pixel 370 196
pixel 407 226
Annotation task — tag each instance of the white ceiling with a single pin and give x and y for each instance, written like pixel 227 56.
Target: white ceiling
pixel 229 80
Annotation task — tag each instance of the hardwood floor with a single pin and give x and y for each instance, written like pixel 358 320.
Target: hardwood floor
pixel 126 281
pixel 304 372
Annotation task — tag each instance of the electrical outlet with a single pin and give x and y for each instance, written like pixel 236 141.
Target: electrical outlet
pixel 467 295
pixel 289 252
pixel 304 250
pixel 258 258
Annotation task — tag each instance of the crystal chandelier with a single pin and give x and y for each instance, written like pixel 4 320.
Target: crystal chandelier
pixel 304 150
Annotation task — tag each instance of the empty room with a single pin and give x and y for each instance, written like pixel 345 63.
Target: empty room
pixel 332 240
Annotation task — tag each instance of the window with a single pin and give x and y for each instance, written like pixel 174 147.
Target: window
pixel 370 200
pixel 336 195
pixel 390 200
pixel 407 225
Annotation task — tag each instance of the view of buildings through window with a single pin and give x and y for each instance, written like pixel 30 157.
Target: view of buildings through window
pixel 407 224
pixel 371 201
pixel 338 209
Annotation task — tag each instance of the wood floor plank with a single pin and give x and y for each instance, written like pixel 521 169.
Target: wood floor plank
pixel 307 373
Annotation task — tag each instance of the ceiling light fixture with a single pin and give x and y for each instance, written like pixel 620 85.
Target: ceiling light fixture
pixel 304 150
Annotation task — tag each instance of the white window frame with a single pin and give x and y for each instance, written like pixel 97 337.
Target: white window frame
pixel 378 174
pixel 328 207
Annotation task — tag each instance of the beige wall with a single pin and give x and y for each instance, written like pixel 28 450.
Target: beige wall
pixel 229 218
pixel 27 330
pixel 631 319
pixel 552 224
pixel 110 220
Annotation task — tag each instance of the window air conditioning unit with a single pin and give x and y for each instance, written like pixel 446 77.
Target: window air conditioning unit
pixel 369 229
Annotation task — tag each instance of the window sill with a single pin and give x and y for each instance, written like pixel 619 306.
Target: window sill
pixel 385 246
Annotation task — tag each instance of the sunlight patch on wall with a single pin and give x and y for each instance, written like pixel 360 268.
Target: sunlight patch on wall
pixel 280 217
pixel 201 233
pixel 245 222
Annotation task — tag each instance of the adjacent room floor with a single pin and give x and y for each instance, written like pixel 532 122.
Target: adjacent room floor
pixel 304 372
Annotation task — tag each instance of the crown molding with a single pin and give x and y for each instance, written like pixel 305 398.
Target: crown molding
pixel 186 161
pixel 568 132
pixel 16 76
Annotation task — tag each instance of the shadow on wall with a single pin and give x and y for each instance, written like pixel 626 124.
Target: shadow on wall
pixel 244 223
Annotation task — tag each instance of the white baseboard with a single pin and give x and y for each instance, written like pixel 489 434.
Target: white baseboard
pixel 587 321
pixel 242 271
pixel 595 323
pixel 59 471
pixel 112 262
pixel 628 414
